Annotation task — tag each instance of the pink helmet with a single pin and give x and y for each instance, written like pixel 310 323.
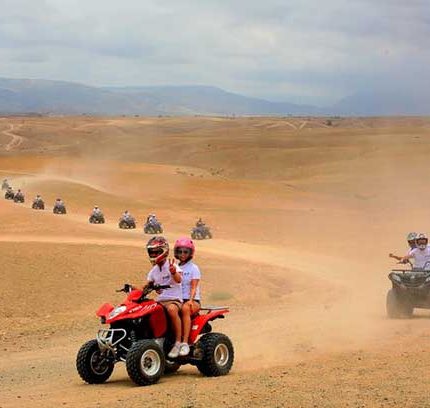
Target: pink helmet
pixel 184 242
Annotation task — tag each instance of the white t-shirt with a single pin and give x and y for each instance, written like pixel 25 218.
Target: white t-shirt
pixel 190 271
pixel 164 277
pixel 421 258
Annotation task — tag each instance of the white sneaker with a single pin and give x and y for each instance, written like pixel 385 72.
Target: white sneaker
pixel 175 351
pixel 184 350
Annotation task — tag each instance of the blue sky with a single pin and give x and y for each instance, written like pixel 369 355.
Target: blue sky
pixel 304 51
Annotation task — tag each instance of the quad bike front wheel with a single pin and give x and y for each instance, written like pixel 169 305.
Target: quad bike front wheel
pixel 145 362
pixel 397 307
pixel 93 366
pixel 218 355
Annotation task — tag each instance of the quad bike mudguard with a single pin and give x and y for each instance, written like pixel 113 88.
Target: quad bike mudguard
pixel 199 322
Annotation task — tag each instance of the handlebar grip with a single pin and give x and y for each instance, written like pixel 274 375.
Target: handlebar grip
pixel 157 287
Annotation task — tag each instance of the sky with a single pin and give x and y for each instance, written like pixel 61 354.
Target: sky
pixel 301 51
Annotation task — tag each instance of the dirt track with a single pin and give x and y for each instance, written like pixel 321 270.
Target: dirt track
pixel 303 214
pixel 16 140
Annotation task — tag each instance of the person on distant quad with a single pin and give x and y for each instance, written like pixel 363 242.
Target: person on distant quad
pixel 200 223
pixel 421 254
pixel 184 251
pixel 38 198
pixel 97 212
pixel 59 202
pixel 152 219
pixel 9 192
pixel 126 215
pixel 166 272
pixel 19 193
pixel 411 238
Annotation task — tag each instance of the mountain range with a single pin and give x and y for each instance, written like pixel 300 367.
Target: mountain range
pixel 39 96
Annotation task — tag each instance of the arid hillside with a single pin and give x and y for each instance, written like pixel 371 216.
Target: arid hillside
pixel 304 213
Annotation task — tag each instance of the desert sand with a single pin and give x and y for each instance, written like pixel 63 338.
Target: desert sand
pixel 303 214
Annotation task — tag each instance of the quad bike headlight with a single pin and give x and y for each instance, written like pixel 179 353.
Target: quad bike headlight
pixel 397 278
pixel 115 312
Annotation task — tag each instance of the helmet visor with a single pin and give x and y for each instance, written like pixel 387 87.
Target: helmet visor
pixel 155 252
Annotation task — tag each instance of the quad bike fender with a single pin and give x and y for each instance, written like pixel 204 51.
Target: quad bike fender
pixel 200 321
pixel 104 310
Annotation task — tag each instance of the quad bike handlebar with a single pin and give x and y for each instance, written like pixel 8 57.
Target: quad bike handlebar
pixel 413 269
pixel 127 288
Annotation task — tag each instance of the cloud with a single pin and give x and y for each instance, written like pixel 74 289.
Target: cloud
pixel 299 50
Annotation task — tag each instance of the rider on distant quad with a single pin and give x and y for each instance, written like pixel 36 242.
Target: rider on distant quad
pixel 421 254
pixel 126 215
pixel 166 272
pixel 97 212
pixel 152 219
pixel 200 223
pixel 59 202
pixel 37 199
pixel 9 193
pixel 411 238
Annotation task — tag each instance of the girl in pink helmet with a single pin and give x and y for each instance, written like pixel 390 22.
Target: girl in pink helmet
pixel 184 252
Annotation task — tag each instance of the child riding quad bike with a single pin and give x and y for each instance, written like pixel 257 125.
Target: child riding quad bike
pixel 9 195
pixel 140 336
pixel 127 221
pixel 96 216
pixel 38 203
pixel 201 232
pixel 59 207
pixel 411 287
pixel 19 197
pixel 153 226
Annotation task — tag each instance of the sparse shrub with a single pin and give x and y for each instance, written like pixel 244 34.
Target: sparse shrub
pixel 215 296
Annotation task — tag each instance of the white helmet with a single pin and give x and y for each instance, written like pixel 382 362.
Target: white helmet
pixel 422 241
pixel 412 236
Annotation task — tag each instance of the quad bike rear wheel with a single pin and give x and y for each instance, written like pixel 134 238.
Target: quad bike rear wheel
pixel 397 307
pixel 93 366
pixel 145 362
pixel 218 355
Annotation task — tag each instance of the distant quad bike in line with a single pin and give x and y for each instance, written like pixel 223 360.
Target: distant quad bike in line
pixel 97 219
pixel 38 205
pixel 410 289
pixel 140 335
pixel 9 195
pixel 201 232
pixel 18 197
pixel 59 209
pixel 127 223
pixel 153 228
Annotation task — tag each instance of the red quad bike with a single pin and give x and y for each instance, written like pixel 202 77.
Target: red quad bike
pixel 140 335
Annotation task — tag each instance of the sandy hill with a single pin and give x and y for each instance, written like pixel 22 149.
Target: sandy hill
pixel 303 214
